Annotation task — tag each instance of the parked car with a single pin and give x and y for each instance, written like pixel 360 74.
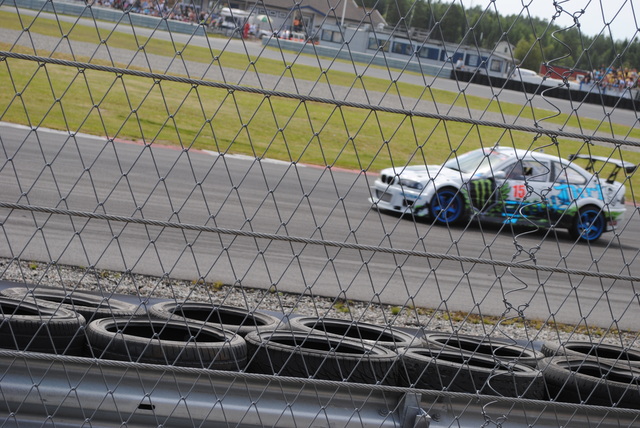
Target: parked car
pixel 525 75
pixel 529 76
pixel 507 185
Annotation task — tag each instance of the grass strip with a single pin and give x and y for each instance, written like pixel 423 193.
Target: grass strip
pixel 261 65
pixel 134 108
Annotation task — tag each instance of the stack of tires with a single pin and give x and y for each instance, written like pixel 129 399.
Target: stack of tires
pixel 218 337
pixel 170 333
pixel 334 349
pixel 53 320
pixel 471 364
pixel 592 373
pixel 40 327
pixel 329 349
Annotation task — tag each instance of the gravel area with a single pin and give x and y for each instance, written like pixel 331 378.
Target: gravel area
pixel 146 290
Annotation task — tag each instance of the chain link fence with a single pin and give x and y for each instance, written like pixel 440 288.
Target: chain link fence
pixel 364 213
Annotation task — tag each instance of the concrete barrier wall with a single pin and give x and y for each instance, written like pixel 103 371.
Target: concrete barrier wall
pixel 362 57
pixel 80 9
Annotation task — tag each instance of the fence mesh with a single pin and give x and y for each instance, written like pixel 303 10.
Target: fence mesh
pixel 319 213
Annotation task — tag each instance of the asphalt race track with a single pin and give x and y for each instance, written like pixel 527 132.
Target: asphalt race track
pixel 236 193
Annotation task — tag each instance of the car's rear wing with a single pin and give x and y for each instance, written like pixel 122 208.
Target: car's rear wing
pixel 629 168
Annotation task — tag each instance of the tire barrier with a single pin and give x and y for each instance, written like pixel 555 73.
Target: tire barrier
pixel 228 318
pixel 166 342
pixel 362 332
pixel 457 371
pixel 606 353
pixel 90 306
pixel 38 327
pixel 499 349
pixel 321 348
pixel 319 356
pixel 574 379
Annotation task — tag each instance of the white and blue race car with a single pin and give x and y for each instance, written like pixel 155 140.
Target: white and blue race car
pixel 508 185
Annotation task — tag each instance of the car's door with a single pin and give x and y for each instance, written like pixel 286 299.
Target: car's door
pixel 525 187
pixel 568 186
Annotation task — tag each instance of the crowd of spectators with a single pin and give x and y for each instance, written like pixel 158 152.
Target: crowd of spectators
pixel 612 79
pixel 180 11
pixel 185 12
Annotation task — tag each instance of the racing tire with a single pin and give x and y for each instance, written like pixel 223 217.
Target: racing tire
pixel 90 306
pixel 227 318
pixel 447 206
pixel 166 342
pixel 319 356
pixel 607 353
pixel 39 327
pixel 499 349
pixel 456 371
pixel 588 225
pixel 576 380
pixel 364 333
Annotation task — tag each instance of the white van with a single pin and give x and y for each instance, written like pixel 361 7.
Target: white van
pixel 233 18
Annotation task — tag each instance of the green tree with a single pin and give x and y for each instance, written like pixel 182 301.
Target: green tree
pixel 422 16
pixel 453 25
pixel 395 10
pixel 529 52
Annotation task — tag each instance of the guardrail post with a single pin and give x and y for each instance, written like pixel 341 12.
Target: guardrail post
pixel 413 416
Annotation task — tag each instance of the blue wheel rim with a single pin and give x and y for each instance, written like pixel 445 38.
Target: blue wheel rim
pixel 590 224
pixel 446 206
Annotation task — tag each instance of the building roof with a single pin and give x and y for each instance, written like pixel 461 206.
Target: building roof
pixel 354 14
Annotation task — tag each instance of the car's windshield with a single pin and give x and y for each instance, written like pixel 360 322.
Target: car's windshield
pixel 476 162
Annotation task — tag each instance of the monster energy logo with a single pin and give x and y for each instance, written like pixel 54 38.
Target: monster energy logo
pixel 481 191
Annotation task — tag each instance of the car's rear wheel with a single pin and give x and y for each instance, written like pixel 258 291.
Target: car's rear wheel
pixel 447 206
pixel 589 224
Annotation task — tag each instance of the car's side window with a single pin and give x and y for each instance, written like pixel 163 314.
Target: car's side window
pixel 535 170
pixel 529 170
pixel 515 171
pixel 566 174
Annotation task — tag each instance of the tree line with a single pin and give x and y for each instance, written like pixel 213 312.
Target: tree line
pixel 536 40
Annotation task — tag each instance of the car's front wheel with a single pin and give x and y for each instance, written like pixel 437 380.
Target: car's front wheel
pixel 447 206
pixel 589 224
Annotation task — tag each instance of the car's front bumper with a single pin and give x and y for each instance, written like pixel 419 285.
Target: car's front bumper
pixel 390 199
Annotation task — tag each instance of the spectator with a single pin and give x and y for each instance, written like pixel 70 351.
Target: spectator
pixel 245 30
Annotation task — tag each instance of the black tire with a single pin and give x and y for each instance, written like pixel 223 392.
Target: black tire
pixel 166 342
pixel 447 206
pixel 27 326
pixel 365 333
pixel 90 306
pixel 588 225
pixel 499 349
pixel 316 356
pixel 609 354
pixel 576 380
pixel 457 371
pixel 227 318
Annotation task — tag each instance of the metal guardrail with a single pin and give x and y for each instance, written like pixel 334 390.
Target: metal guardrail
pixel 71 391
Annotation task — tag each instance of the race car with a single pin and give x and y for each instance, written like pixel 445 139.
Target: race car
pixel 508 185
